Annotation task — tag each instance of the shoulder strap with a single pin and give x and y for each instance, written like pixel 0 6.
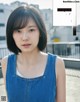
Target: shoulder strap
pixel 10 65
pixel 51 64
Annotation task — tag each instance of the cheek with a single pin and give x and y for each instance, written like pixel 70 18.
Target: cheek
pixel 15 39
pixel 14 36
pixel 37 38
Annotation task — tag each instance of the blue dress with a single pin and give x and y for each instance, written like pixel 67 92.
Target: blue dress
pixel 38 89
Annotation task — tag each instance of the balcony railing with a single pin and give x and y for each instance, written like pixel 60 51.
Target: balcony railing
pixel 65 49
pixel 4 51
pixel 70 52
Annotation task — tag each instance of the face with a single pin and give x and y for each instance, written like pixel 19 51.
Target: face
pixel 27 38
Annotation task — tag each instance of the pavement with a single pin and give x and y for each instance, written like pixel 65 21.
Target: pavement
pixel 72 86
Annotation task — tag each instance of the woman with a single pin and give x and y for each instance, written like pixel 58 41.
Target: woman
pixel 30 74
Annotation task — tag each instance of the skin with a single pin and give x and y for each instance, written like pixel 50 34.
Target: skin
pixel 31 68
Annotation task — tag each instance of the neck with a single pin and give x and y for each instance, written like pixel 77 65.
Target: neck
pixel 29 58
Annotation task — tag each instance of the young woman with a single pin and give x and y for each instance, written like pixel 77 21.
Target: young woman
pixel 30 74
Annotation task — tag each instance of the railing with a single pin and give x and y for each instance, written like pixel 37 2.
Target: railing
pixel 3 51
pixel 70 52
pixel 65 49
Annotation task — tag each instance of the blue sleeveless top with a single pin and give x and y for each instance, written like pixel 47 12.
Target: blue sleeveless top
pixel 38 89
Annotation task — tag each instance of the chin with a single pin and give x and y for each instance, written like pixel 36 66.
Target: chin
pixel 26 51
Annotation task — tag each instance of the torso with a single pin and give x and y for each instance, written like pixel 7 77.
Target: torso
pixel 33 71
pixel 35 87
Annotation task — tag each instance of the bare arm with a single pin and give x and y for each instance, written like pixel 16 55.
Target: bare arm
pixel 3 66
pixel 61 81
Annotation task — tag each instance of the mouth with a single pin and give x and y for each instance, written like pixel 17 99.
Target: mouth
pixel 26 45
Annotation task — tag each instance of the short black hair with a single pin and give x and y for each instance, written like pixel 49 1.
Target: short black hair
pixel 18 19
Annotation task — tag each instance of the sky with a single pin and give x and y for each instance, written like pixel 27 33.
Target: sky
pixel 42 3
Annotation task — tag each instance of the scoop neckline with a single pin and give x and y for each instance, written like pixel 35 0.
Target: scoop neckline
pixel 33 78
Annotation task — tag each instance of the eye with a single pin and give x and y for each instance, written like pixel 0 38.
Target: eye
pixel 17 31
pixel 31 30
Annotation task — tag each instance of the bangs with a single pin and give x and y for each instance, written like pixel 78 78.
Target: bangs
pixel 21 21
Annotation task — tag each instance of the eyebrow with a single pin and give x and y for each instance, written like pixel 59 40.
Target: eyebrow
pixel 32 26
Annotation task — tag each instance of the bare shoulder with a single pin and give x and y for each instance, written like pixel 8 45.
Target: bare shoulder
pixel 61 80
pixel 4 65
pixel 4 61
pixel 60 66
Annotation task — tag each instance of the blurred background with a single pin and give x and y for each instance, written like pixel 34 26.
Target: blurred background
pixel 63 40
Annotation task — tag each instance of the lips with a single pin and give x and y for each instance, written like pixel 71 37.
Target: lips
pixel 26 45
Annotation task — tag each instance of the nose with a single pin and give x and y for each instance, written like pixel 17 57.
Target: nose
pixel 25 36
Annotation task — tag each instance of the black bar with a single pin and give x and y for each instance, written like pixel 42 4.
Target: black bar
pixel 74 30
pixel 64 9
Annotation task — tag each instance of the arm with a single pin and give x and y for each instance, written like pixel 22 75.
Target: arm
pixel 3 66
pixel 61 80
